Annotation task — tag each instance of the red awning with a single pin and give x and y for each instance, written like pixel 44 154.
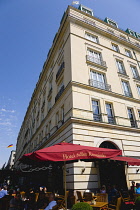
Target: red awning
pixel 129 160
pixel 70 152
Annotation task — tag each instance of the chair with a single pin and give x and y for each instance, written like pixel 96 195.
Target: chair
pixel 88 196
pixel 36 197
pixel 79 196
pixel 61 201
pixel 115 206
pixel 102 197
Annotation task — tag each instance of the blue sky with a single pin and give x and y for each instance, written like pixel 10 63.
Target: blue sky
pixel 27 28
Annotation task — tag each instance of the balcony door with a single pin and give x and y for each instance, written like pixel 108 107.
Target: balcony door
pixel 97 79
pixel 94 56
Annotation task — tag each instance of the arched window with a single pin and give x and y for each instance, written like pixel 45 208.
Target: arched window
pixel 109 145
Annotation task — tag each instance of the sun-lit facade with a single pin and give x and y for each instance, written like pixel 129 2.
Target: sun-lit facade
pixel 88 93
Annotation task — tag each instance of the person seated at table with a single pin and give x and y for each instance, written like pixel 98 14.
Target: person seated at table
pixel 138 189
pixel 103 189
pixel 3 192
pixel 52 202
pixel 133 187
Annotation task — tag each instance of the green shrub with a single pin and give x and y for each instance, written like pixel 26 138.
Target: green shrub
pixel 137 199
pixel 81 206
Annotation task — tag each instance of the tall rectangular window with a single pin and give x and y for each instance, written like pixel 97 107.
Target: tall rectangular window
pixel 92 38
pixel 57 118
pixel 96 111
pixel 138 88
pixel 128 53
pixel 120 66
pixel 98 79
pixel 134 72
pixel 115 47
pixel 110 114
pixel 62 113
pixel 95 56
pixel 126 89
pixel 131 117
pixel 139 113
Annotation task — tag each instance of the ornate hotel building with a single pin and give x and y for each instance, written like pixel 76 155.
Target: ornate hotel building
pixel 88 93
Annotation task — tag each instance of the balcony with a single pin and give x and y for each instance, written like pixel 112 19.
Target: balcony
pixel 59 93
pixel 97 117
pixel 136 77
pixel 60 70
pixel 96 61
pixel 128 94
pixel 133 123
pixel 100 85
pixel 111 120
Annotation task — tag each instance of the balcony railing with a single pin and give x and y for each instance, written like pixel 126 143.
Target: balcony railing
pixel 59 93
pixel 96 60
pixel 60 70
pixel 133 123
pixel 122 71
pixel 128 93
pixel 111 120
pixel 97 117
pixel 99 85
pixel 137 77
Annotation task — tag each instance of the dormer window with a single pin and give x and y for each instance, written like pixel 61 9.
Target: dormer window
pixel 131 32
pixel 111 22
pixel 86 9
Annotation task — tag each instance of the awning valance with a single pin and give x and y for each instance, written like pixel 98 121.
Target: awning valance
pixel 131 161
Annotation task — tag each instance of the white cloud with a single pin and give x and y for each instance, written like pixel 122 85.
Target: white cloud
pixel 6 110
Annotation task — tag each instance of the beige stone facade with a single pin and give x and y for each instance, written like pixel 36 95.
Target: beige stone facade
pixel 88 93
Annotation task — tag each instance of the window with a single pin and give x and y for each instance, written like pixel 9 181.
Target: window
pixel 139 113
pixel 134 71
pixel 126 89
pixel 128 53
pixel 131 117
pixel 115 47
pixel 57 118
pixel 62 113
pixel 60 86
pixel 96 111
pixel 138 88
pixel 86 10
pixel 110 114
pixel 49 126
pixel 120 67
pixel 97 79
pixel 94 56
pixel 49 104
pixel 92 38
pixel 111 22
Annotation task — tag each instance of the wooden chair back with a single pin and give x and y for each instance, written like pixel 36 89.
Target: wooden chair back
pixel 61 203
pixel 88 196
pixel 36 197
pixel 118 207
pixel 79 196
pixel 102 197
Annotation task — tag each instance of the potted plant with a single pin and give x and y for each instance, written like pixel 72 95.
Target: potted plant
pixel 81 206
pixel 137 203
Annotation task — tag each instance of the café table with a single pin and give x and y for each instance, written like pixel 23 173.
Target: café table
pixel 99 205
